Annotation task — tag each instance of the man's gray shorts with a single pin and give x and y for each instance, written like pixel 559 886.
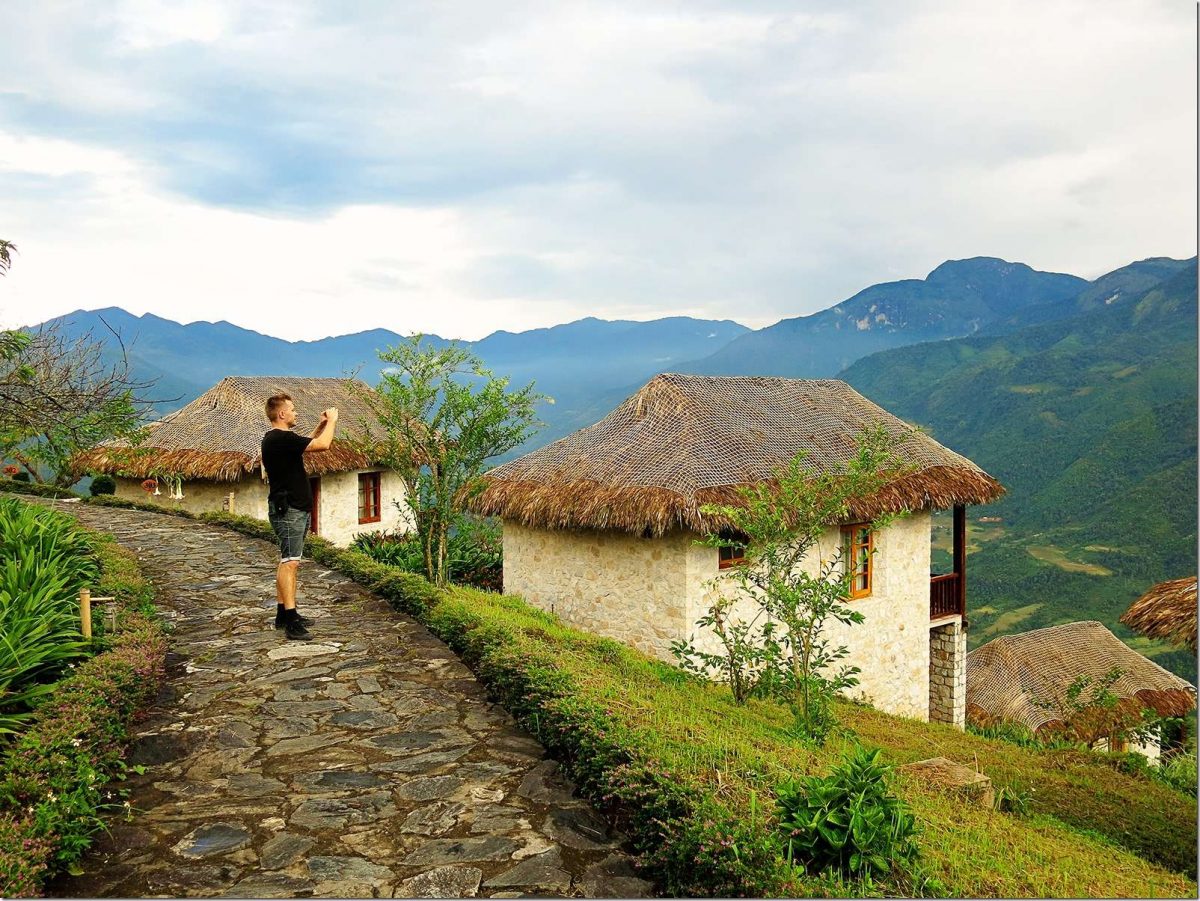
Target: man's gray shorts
pixel 291 527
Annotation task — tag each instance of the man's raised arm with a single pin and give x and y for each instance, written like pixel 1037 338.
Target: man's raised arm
pixel 322 435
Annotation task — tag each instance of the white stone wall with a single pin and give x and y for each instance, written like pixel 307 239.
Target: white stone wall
pixel 250 495
pixel 338 514
pixel 610 583
pixel 649 592
pixel 948 674
pixel 891 645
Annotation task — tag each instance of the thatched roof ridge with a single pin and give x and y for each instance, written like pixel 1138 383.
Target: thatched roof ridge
pixel 1008 676
pixel 218 436
pixel 684 441
pixel 1166 611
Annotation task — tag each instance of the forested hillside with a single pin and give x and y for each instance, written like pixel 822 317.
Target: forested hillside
pixel 1090 422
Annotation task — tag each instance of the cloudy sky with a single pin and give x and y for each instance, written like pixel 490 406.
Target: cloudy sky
pixel 307 169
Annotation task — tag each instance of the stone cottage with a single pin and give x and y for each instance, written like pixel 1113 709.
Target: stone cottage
pixel 1024 678
pixel 206 456
pixel 601 527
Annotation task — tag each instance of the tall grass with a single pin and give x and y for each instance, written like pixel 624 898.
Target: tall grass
pixel 44 560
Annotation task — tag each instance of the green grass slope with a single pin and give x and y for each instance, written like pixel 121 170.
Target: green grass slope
pixel 1090 422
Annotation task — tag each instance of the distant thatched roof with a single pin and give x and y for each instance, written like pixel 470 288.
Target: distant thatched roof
pixel 219 435
pixel 1167 611
pixel 683 441
pixel 1008 676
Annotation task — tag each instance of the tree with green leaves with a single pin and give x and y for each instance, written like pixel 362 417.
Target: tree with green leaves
pixel 441 417
pixel 61 395
pixel 780 524
pixel 6 252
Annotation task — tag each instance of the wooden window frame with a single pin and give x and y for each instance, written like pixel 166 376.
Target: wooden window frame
pixel 737 557
pixel 852 547
pixel 375 481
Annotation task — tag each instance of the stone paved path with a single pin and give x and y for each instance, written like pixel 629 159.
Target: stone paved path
pixel 365 763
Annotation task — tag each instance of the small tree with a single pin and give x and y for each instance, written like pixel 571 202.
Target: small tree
pixel 780 522
pixel 61 395
pixel 1088 712
pixel 442 416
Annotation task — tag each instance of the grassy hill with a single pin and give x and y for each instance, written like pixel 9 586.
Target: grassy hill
pixel 1090 422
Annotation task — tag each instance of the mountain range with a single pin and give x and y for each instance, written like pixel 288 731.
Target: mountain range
pixel 1080 396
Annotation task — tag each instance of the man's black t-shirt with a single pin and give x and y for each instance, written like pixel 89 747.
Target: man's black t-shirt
pixel 283 460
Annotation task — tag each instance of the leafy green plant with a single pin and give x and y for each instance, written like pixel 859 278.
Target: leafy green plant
pixel 443 416
pixel 56 778
pixel 44 561
pixel 751 657
pixel 474 553
pixel 779 523
pixel 847 822
pixel 1179 772
pixel 103 484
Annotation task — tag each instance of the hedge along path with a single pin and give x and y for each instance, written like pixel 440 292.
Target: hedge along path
pixel 364 763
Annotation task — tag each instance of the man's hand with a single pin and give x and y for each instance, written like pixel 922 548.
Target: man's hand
pixel 322 435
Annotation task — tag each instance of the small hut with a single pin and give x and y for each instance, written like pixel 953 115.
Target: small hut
pixel 207 456
pixel 1024 678
pixel 1167 611
pixel 601 527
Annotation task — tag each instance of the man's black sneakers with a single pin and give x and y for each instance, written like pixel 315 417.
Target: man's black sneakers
pixel 295 631
pixel 293 624
pixel 281 618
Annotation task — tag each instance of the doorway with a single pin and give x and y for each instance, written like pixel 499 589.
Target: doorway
pixel 315 485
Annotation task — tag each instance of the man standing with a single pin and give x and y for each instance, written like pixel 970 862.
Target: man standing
pixel 289 503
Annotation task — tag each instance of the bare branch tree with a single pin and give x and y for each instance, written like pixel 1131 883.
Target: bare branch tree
pixel 61 394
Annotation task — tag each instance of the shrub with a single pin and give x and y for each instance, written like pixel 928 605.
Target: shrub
pixel 847 822
pixel 44 560
pixel 54 778
pixel 103 484
pixel 18 485
pixel 474 554
pixel 1179 772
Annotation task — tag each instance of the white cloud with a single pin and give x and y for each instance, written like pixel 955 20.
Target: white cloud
pixel 459 169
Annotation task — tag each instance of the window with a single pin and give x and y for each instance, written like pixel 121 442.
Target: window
pixel 858 543
pixel 731 555
pixel 368 497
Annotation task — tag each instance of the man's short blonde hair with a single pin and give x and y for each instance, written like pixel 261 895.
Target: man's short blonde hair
pixel 275 404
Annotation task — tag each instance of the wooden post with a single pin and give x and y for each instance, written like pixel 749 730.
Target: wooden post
pixel 960 555
pixel 231 496
pixel 85 612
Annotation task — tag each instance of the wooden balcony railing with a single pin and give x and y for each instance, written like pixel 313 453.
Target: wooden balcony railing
pixel 945 596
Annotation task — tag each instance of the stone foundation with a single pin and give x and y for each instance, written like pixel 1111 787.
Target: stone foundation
pixel 948 674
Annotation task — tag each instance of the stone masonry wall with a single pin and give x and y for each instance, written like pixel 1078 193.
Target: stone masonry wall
pixel 891 645
pixel 338 515
pixel 650 592
pixel 610 583
pixel 948 674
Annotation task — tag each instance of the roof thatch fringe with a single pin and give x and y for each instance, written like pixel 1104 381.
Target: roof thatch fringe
pixel 218 436
pixel 1009 678
pixel 683 442
pixel 217 466
pixel 654 511
pixel 1167 611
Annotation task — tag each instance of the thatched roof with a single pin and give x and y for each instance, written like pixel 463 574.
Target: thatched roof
pixel 1166 611
pixel 1008 676
pixel 684 441
pixel 219 435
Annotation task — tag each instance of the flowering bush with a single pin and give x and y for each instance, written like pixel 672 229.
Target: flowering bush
pixel 55 779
